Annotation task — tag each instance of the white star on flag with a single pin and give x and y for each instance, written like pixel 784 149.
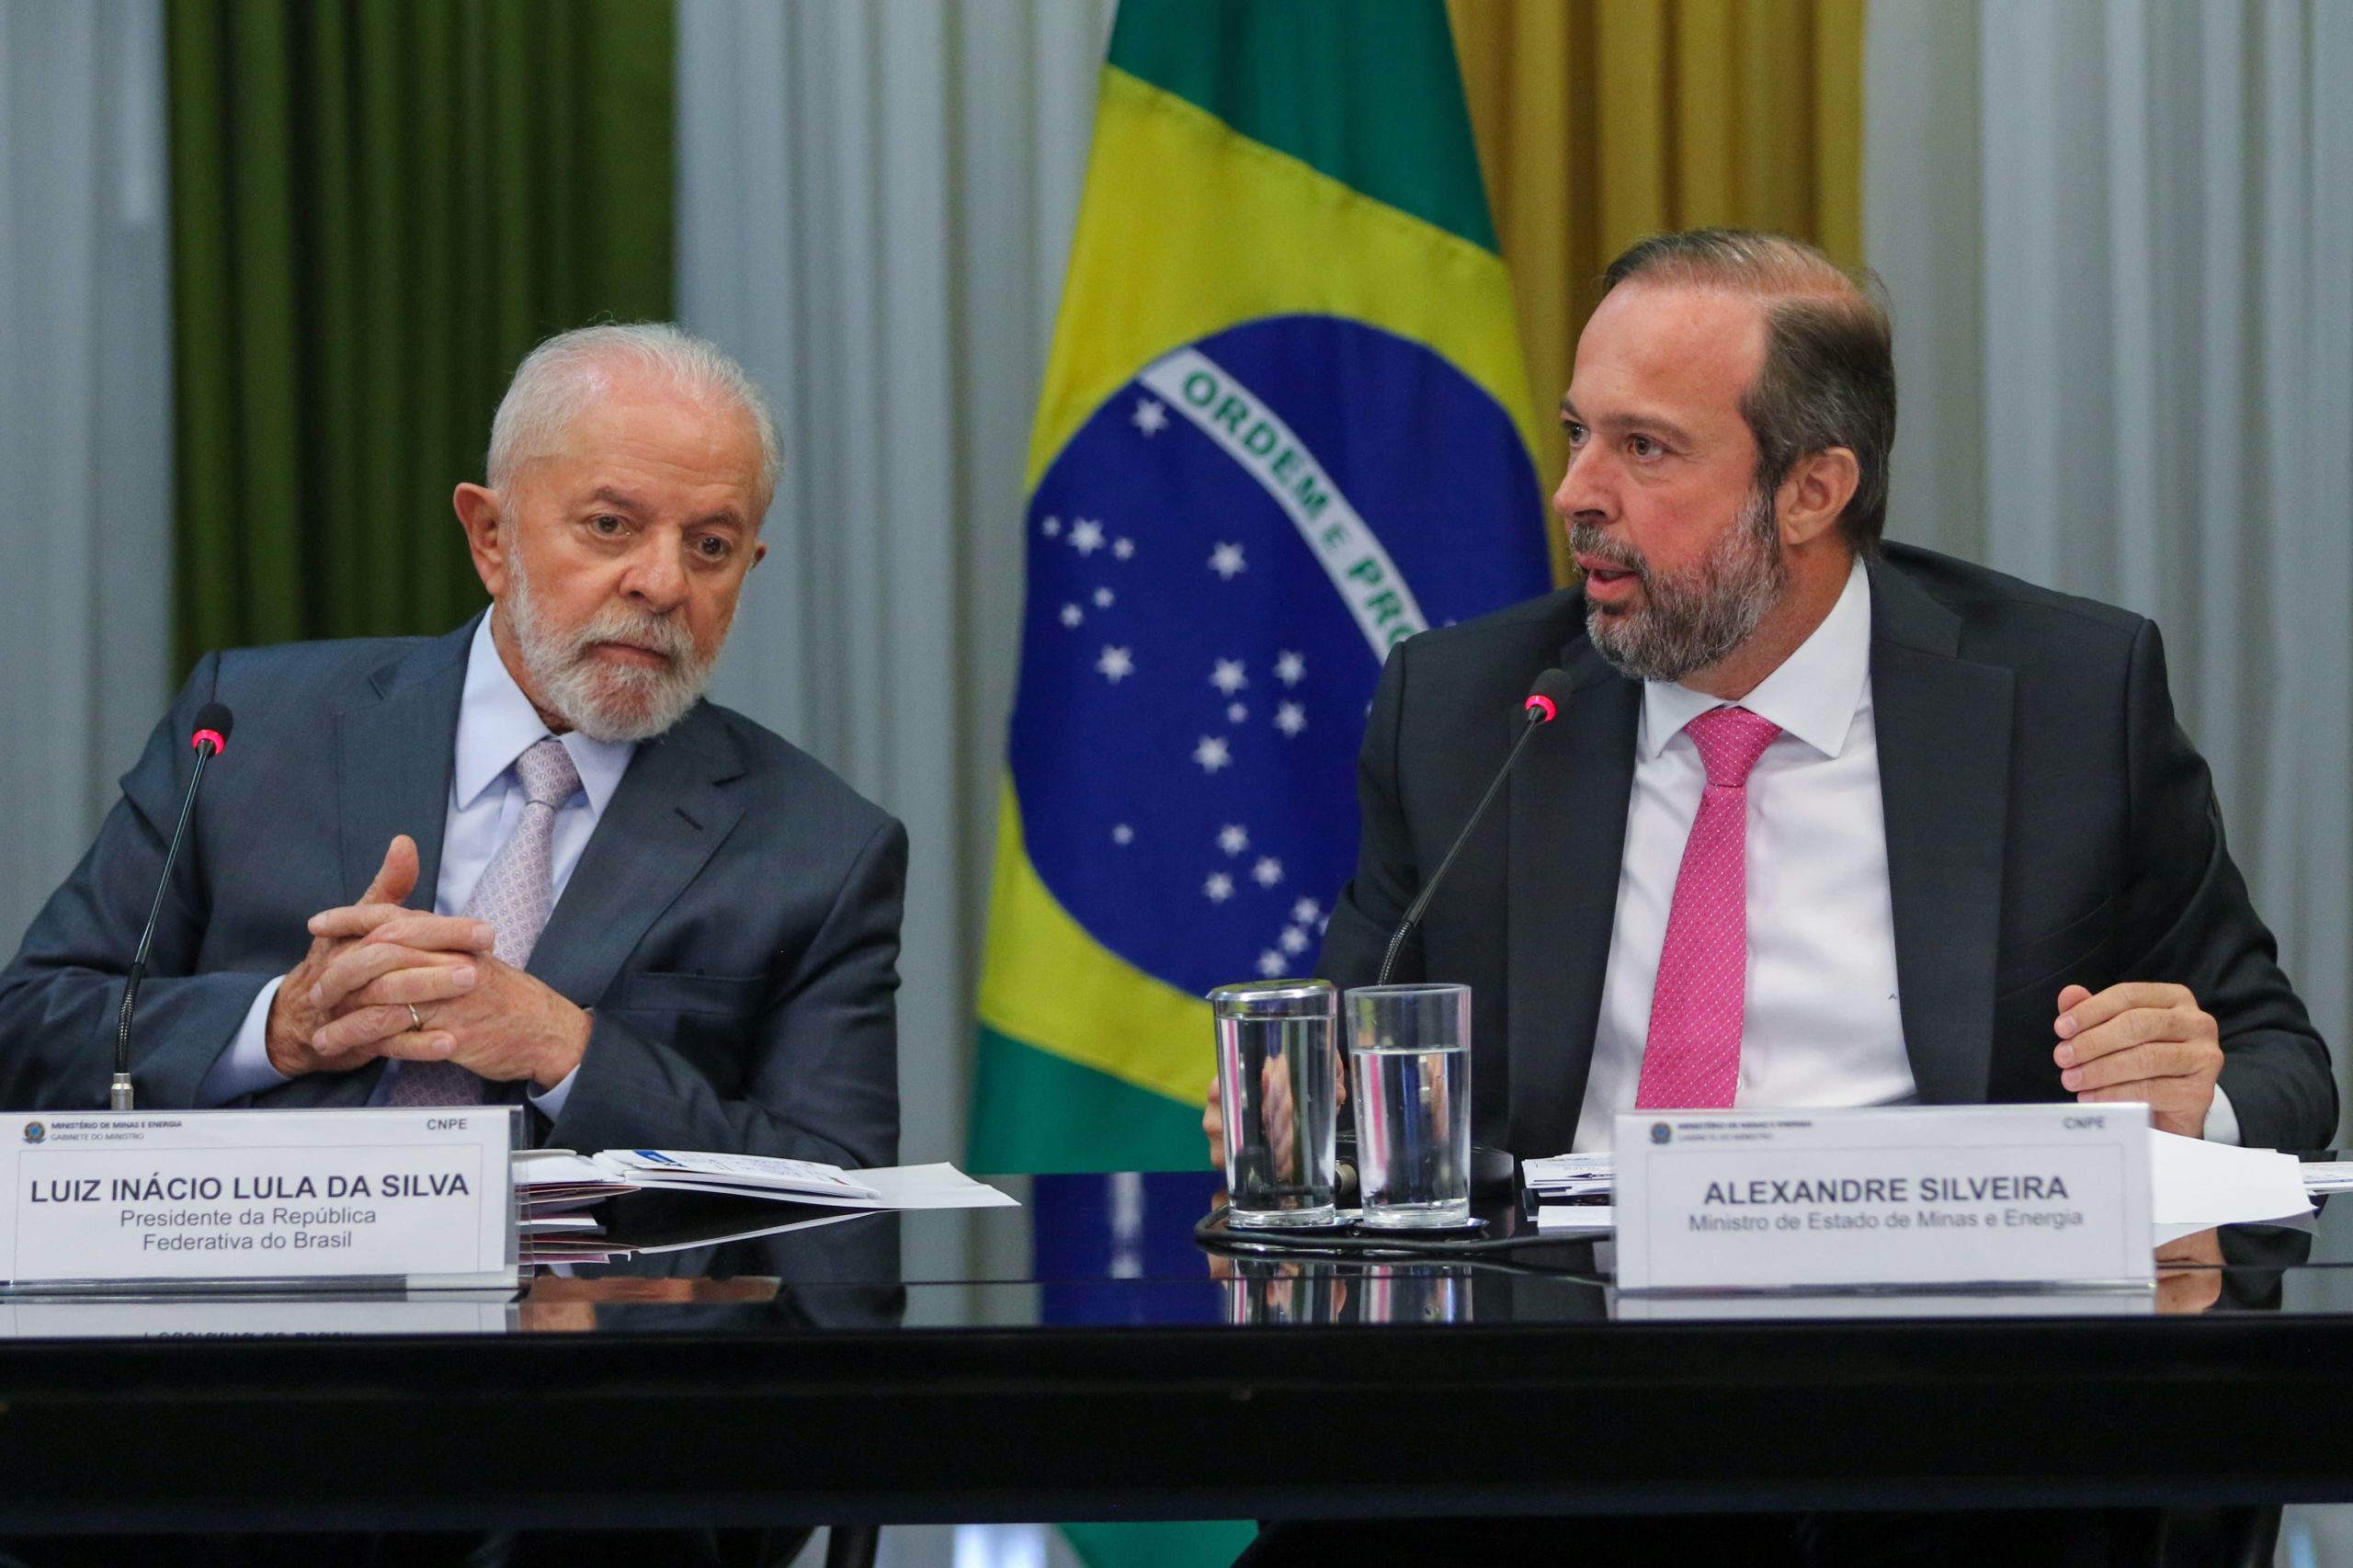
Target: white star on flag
pixel 1236 713
pixel 1228 677
pixel 1116 664
pixel 1307 912
pixel 1123 834
pixel 1289 718
pixel 1086 536
pixel 1271 965
pixel 1150 417
pixel 1233 838
pixel 1123 547
pixel 1103 598
pixel 1290 669
pixel 1267 872
pixel 1226 560
pixel 1294 940
pixel 1072 615
pixel 1211 753
pixel 1052 527
pixel 1220 887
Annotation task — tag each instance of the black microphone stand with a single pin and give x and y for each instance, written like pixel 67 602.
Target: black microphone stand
pixel 119 1097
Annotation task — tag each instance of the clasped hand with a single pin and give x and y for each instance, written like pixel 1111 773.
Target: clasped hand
pixel 385 981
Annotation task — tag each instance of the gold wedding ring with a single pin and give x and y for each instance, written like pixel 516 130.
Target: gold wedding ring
pixel 416 1018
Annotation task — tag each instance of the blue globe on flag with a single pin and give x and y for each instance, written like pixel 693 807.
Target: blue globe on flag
pixel 1221 558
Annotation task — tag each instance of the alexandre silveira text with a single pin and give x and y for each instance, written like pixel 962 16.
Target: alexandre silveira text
pixel 1980 1192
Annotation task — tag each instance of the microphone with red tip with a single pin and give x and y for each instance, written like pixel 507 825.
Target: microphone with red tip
pixel 210 737
pixel 1545 702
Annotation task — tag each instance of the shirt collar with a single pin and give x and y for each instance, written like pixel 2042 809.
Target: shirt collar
pixel 1812 695
pixel 496 724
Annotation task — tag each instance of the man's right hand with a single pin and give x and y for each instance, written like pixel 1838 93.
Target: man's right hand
pixel 433 960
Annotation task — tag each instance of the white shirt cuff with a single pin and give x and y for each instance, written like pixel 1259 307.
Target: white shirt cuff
pixel 243 1069
pixel 2222 1122
pixel 549 1102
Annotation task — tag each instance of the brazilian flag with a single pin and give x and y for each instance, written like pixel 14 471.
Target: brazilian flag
pixel 1285 425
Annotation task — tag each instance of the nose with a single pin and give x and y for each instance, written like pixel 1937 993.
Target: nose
pixel 656 578
pixel 1584 492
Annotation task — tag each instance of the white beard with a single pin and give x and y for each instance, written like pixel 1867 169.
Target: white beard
pixel 602 700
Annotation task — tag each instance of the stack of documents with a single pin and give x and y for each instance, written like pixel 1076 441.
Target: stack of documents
pixel 1570 1192
pixel 555 1187
pixel 740 1175
pixel 2327 1176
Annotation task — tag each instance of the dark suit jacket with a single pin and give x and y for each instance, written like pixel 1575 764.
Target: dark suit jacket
pixel 2047 823
pixel 733 922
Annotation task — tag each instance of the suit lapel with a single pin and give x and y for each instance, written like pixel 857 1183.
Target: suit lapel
pixel 395 753
pixel 1944 761
pixel 1568 834
pixel 657 832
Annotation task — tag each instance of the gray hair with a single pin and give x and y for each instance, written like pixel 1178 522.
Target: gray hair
pixel 557 379
pixel 1829 377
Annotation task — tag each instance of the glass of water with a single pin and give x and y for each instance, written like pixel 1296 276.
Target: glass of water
pixel 1278 1077
pixel 1411 1049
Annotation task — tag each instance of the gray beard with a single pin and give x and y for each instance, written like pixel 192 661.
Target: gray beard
pixel 604 702
pixel 1689 620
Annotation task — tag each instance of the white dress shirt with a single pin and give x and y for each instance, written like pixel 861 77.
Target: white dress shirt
pixel 1821 1024
pixel 496 724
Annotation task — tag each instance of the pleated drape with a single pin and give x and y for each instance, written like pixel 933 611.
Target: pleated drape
pixel 1602 121
pixel 377 210
pixel 2120 251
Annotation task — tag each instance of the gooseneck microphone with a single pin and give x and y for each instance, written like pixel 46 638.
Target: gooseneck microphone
pixel 210 738
pixel 1545 700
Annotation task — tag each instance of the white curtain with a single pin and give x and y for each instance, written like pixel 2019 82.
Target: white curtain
pixel 875 204
pixel 85 432
pixel 2119 243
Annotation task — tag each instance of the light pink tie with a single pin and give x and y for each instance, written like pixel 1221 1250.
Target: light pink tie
pixel 515 895
pixel 1692 1061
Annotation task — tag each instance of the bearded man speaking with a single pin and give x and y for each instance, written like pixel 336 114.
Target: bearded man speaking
pixel 524 860
pixel 1824 822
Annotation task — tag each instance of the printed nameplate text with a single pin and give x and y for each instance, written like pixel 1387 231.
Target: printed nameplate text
pixel 423 1195
pixel 1917 1194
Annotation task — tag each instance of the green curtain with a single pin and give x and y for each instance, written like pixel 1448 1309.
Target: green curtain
pixel 378 207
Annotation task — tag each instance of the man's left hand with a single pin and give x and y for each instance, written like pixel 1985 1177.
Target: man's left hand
pixel 509 1026
pixel 2140 1042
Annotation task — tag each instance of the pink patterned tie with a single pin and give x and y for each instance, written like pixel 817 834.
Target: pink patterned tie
pixel 1692 1061
pixel 516 894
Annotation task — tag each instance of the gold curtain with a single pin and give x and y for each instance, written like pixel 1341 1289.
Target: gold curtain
pixel 1601 120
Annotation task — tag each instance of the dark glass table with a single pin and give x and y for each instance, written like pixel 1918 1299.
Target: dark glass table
pixel 1081 1357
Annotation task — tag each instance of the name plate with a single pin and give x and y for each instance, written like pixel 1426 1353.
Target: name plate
pixel 2043 1195
pixel 418 1198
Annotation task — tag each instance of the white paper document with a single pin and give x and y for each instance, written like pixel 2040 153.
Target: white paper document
pixel 2327 1176
pixel 758 1175
pixel 2196 1186
pixel 1575 1219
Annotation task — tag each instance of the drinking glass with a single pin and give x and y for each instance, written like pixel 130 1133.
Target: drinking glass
pixel 1410 1047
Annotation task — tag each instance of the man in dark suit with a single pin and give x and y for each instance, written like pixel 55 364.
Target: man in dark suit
pixel 1945 841
pixel 1824 823
pixel 524 859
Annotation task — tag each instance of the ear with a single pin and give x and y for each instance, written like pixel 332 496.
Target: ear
pixel 483 517
pixel 1816 493
pixel 759 553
